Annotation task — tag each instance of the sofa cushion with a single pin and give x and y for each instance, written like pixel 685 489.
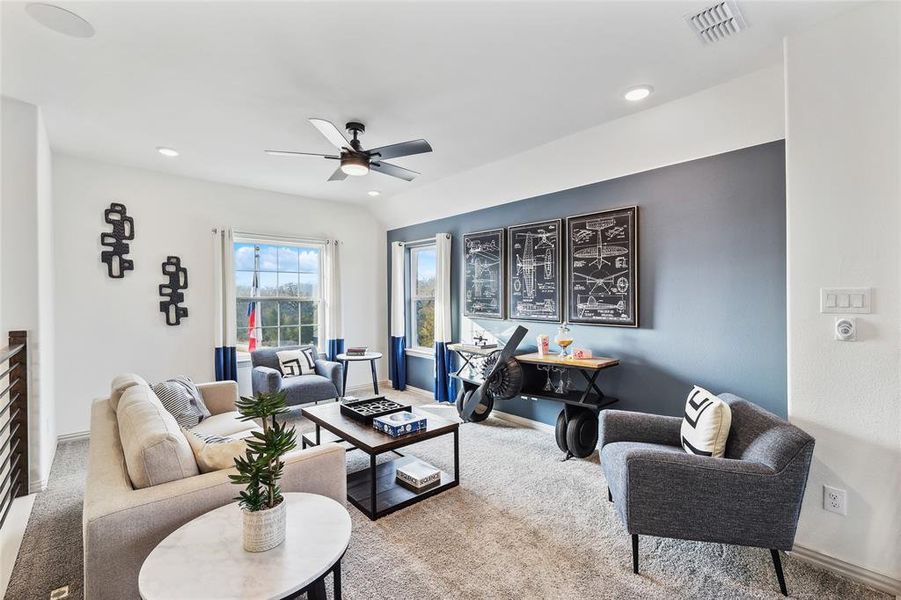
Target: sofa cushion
pixel 216 452
pixel 308 388
pixel 154 448
pixel 705 426
pixel 223 424
pixel 182 399
pixel 121 383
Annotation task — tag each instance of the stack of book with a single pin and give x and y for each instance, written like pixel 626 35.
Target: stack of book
pixel 356 351
pixel 418 475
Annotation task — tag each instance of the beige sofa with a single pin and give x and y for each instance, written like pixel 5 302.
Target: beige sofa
pixel 123 520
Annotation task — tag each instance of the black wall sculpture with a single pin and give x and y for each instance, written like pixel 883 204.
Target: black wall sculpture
pixel 123 229
pixel 178 280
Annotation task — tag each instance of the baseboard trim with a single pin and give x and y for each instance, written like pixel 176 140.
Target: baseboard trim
pixel 877 581
pixel 76 435
pixel 523 421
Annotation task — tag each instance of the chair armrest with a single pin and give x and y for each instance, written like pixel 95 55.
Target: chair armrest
pixel 331 370
pixel 219 396
pixel 686 496
pixel 265 380
pixel 627 426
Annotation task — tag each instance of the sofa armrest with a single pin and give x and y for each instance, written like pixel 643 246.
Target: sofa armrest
pixel 332 370
pixel 265 380
pixel 627 426
pixel 219 396
pixel 122 526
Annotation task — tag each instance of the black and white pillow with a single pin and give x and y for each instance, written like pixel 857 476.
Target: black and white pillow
pixel 182 399
pixel 297 362
pixel 705 426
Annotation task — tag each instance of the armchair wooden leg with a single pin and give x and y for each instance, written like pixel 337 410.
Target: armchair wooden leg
pixel 777 562
pixel 635 553
pixel 609 496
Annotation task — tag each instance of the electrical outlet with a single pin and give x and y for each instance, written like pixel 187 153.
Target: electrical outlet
pixel 835 500
pixel 60 593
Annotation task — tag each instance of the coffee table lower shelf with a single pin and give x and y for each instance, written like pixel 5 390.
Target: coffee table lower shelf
pixel 389 494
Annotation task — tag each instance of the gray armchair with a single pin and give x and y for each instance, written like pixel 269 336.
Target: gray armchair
pixel 751 497
pixel 267 377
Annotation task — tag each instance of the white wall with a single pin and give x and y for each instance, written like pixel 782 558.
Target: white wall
pixel 843 159
pixel 26 276
pixel 743 112
pixel 107 326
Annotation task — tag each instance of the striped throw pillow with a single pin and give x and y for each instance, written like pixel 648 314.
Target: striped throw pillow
pixel 182 399
pixel 705 426
pixel 214 452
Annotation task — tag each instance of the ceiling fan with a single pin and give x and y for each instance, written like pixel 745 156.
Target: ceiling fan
pixel 356 161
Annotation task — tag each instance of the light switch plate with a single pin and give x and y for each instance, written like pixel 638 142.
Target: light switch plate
pixel 845 300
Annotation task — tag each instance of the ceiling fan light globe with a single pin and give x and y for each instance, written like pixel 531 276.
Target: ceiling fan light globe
pixel 355 166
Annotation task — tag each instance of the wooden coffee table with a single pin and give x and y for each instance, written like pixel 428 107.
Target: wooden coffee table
pixel 375 491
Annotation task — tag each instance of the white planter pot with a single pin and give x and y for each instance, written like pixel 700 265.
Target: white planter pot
pixel 265 529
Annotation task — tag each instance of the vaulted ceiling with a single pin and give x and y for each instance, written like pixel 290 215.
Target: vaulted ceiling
pixel 222 81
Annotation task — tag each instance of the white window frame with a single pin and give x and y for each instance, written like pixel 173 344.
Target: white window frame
pixel 415 349
pixel 276 240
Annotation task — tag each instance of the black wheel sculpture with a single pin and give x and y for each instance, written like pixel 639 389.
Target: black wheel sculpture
pixel 482 409
pixel 560 431
pixel 582 433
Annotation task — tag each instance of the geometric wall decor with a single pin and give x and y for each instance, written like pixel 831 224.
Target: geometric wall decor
pixel 602 260
pixel 178 280
pixel 123 229
pixel 535 288
pixel 483 275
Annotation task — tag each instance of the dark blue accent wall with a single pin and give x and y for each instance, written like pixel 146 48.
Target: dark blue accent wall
pixel 712 281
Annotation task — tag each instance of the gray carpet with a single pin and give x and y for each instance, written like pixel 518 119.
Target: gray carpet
pixel 522 524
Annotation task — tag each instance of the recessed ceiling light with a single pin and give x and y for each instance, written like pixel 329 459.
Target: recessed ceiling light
pixel 167 151
pixel 60 20
pixel 639 92
pixel 374 193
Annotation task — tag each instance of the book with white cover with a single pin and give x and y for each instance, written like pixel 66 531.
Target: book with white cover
pixel 418 474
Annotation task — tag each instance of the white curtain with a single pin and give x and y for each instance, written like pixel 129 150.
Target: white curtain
pixel 334 327
pixel 398 341
pixel 444 358
pixel 224 326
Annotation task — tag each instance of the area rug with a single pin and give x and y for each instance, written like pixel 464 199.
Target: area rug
pixel 522 524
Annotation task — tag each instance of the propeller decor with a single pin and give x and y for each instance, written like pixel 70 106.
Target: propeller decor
pixel 354 160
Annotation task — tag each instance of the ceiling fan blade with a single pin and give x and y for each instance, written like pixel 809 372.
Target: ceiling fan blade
pixel 331 133
pixel 290 153
pixel 338 175
pixel 393 170
pixel 402 149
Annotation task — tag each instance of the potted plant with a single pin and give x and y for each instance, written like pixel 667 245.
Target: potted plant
pixel 260 469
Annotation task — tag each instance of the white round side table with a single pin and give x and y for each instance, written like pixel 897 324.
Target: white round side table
pixel 205 559
pixel 344 359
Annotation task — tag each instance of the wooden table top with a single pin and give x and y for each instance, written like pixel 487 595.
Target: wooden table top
pixel 597 363
pixel 366 437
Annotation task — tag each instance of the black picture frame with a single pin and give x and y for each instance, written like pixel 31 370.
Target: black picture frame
pixel 534 273
pixel 603 268
pixel 484 274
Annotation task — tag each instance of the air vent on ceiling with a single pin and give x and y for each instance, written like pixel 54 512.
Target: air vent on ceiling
pixel 717 22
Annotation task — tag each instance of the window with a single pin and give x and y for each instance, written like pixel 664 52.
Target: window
pixel 287 294
pixel 422 296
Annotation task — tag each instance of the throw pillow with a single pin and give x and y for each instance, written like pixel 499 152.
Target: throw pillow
pixel 182 399
pixel 214 452
pixel 297 362
pixel 706 423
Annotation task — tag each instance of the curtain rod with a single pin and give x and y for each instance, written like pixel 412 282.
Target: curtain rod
pixel 422 241
pixel 273 237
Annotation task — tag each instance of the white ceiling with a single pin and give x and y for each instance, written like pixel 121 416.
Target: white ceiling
pixel 221 81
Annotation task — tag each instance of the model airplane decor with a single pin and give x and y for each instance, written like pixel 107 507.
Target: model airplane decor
pixel 504 380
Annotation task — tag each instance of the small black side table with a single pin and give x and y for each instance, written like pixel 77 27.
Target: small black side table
pixel 344 359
